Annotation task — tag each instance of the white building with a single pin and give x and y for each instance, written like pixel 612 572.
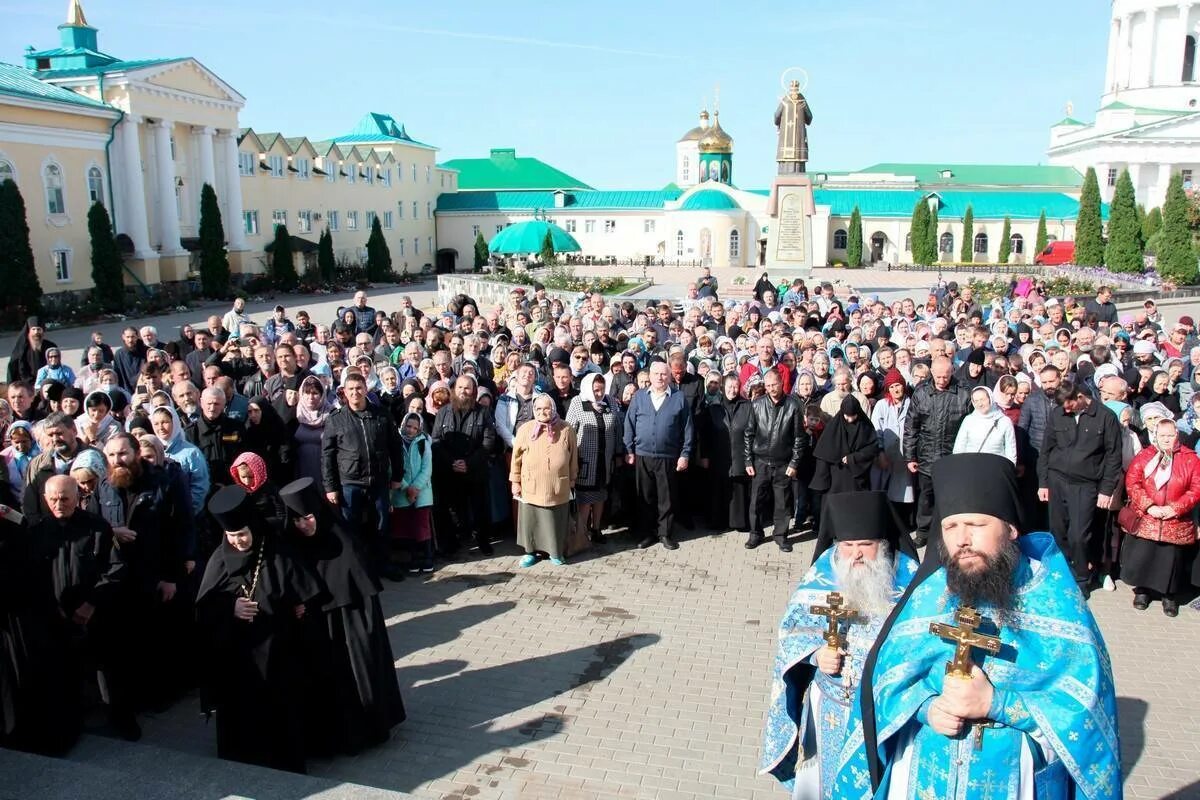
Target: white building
pixel 1149 116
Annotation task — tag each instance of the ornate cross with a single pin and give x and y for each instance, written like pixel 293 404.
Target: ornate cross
pixel 965 636
pixel 835 614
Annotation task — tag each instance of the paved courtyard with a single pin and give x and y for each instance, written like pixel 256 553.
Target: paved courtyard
pixel 627 674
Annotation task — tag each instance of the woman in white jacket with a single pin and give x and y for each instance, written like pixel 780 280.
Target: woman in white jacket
pixel 986 429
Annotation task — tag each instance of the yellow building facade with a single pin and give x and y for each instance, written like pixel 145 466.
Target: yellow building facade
pixel 79 126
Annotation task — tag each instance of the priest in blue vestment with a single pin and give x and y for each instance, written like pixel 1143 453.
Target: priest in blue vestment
pixel 1033 716
pixel 865 557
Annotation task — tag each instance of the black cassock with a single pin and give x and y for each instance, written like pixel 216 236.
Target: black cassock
pixel 253 675
pixel 355 697
pixel 40 682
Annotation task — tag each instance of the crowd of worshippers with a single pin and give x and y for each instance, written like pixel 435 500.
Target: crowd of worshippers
pixel 559 421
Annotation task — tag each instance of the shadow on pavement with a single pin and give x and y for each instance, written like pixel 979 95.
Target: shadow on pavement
pixel 1131 717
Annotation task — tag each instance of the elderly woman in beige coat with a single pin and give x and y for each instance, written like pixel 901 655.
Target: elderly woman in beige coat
pixel 545 464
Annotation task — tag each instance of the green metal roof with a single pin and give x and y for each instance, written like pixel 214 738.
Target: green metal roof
pixel 20 82
pixel 709 200
pixel 841 202
pixel 1117 105
pixel 115 66
pixel 378 128
pixel 984 174
pixel 1068 121
pixel 503 171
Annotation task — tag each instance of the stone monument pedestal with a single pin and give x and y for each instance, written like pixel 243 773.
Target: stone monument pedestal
pixel 789 237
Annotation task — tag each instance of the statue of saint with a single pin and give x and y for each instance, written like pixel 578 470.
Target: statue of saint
pixel 791 118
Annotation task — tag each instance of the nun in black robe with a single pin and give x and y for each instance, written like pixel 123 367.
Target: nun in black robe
pixel 28 355
pixel 252 606
pixel 356 698
pixel 844 453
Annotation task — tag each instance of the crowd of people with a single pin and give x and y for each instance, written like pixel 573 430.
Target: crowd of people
pixel 401 439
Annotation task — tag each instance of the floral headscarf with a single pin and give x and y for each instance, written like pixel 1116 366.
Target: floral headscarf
pixel 258 471
pixel 313 417
pixel 546 427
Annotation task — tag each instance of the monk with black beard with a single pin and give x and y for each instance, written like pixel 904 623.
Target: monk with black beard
pixel 356 698
pixel 252 603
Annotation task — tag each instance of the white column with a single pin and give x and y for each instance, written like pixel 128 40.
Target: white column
pixel 1114 46
pixel 134 220
pixel 1127 66
pixel 1151 45
pixel 208 172
pixel 235 229
pixel 168 216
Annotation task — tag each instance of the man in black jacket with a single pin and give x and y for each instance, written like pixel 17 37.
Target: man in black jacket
pixel 1031 436
pixel 463 437
pixel 692 482
pixel 774 446
pixel 1077 474
pixel 128 360
pixel 362 458
pixel 938 408
pixel 218 437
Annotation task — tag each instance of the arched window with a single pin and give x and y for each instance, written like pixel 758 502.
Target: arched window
pixel 55 199
pixel 6 172
pixel 735 244
pixel 679 244
pixel 1017 244
pixel 95 182
pixel 1189 59
pixel 981 243
pixel 839 239
pixel 908 242
pixel 946 243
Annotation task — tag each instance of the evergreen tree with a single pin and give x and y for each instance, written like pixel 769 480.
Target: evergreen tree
pixel 1125 243
pixel 854 247
pixel 1005 242
pixel 481 252
pixel 283 266
pixel 379 257
pixel 546 254
pixel 109 291
pixel 1043 238
pixel 1152 224
pixel 18 272
pixel 214 260
pixel 1176 257
pixel 966 253
pixel 918 233
pixel 932 240
pixel 1089 234
pixel 326 263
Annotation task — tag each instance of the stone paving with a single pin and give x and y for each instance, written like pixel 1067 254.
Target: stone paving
pixel 626 674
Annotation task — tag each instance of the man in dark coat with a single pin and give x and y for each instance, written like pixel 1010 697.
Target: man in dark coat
pixel 66 447
pixel 463 437
pixel 128 360
pixel 362 457
pixel 774 444
pixel 219 438
pixel 938 408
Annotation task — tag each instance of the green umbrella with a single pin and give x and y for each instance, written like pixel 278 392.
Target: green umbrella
pixel 527 237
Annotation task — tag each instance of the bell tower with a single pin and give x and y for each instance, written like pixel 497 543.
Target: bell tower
pixel 1152 54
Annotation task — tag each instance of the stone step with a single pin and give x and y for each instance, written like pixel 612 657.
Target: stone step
pixel 101 768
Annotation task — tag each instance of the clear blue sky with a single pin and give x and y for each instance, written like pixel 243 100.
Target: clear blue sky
pixel 603 90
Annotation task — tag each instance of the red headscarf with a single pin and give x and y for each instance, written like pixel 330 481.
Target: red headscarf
pixel 893 377
pixel 258 469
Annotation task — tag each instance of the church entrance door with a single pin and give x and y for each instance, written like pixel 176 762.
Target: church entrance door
pixel 878 240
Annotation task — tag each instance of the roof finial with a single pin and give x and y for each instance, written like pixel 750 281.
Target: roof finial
pixel 75 17
pixel 1070 108
pixel 717 99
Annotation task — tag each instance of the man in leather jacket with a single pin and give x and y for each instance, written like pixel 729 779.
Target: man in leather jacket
pixel 938 408
pixel 463 438
pixel 776 442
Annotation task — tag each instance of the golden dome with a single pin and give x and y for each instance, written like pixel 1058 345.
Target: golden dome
pixel 715 139
pixel 697 132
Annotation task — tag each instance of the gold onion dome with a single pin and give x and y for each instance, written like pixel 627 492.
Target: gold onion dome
pixel 697 132
pixel 715 139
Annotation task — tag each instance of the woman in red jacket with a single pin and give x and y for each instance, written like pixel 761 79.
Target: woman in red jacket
pixel 1163 486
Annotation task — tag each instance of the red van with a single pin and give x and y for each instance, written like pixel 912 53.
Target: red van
pixel 1056 253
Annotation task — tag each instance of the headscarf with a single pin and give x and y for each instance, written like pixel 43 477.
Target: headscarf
pixel 841 438
pixel 22 459
pixel 1116 407
pixel 546 427
pixel 420 427
pixel 993 409
pixel 587 388
pixel 91 460
pixel 258 471
pixel 1154 410
pixel 176 427
pixel 314 418
pixel 893 377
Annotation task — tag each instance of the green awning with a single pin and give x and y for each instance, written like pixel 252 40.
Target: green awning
pixel 527 237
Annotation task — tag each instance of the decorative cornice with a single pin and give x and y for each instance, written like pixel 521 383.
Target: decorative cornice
pixel 63 108
pixel 154 90
pixel 45 136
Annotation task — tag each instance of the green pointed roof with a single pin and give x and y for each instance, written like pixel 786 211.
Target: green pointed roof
pixel 1117 105
pixel 503 170
pixel 1068 121
pixel 112 66
pixel 379 128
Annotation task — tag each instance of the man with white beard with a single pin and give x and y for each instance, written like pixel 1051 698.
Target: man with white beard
pixel 863 556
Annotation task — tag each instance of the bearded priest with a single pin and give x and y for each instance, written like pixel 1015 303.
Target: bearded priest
pixel 861 564
pixel 990 679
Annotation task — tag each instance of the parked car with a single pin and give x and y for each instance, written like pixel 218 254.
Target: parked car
pixel 1056 253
